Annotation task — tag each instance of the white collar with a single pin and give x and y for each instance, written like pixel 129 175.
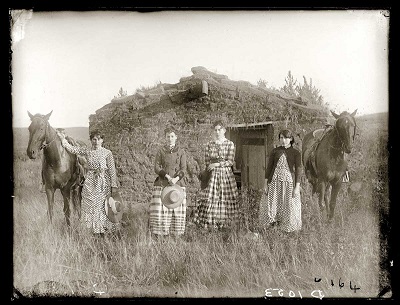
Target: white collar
pixel 220 141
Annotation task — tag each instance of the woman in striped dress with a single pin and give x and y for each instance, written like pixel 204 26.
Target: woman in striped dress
pixel 218 207
pixel 170 166
pixel 282 186
pixel 100 183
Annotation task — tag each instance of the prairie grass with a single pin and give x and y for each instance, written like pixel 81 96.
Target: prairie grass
pixel 207 264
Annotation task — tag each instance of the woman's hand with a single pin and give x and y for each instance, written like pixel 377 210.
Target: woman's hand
pixel 114 191
pixel 296 191
pixel 173 180
pixel 266 187
pixel 212 166
pixel 61 135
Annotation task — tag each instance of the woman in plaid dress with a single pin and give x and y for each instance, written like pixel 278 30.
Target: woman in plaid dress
pixel 217 204
pixel 170 166
pixel 100 183
pixel 282 186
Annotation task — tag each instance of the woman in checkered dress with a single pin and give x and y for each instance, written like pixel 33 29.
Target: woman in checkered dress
pixel 100 183
pixel 218 207
pixel 170 166
pixel 282 186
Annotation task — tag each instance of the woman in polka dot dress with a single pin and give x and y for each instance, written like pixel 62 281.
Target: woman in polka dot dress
pixel 282 186
pixel 100 182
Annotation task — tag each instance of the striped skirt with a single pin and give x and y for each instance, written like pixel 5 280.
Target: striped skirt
pixel 164 221
pixel 217 202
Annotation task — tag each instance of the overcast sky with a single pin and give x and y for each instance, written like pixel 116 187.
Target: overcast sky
pixel 75 62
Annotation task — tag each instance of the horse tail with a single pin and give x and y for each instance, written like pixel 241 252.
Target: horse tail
pixel 76 196
pixel 78 176
pixel 308 158
pixel 77 186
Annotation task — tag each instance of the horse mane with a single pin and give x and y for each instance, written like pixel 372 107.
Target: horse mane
pixel 75 142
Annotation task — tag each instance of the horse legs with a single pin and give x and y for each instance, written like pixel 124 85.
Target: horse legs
pixel 321 196
pixel 335 191
pixel 66 196
pixel 50 203
pixel 76 199
pixel 326 198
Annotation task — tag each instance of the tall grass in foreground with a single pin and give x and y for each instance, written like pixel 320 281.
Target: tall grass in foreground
pixel 204 264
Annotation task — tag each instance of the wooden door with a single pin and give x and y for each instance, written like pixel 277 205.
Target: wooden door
pixel 253 166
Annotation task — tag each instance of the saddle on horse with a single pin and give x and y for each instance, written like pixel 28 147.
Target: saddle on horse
pixel 310 152
pixel 81 162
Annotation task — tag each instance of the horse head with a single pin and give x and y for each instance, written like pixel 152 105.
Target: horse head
pixel 345 126
pixel 37 133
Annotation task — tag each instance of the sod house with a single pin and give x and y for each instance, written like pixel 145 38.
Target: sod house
pixel 133 127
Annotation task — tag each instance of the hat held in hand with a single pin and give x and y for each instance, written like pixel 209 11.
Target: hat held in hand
pixel 172 196
pixel 114 209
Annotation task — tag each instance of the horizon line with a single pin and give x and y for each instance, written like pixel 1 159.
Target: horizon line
pixel 89 126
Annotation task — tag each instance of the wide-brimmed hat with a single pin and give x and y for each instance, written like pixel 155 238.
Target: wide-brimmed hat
pixel 114 209
pixel 172 196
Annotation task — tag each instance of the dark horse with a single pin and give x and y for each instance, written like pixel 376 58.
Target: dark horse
pixel 323 158
pixel 60 169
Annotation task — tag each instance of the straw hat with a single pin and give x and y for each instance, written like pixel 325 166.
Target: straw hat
pixel 172 196
pixel 114 209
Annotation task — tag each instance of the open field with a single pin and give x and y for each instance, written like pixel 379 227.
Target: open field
pixel 329 260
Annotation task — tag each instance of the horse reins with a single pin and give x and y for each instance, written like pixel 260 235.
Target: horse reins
pixel 338 135
pixel 45 145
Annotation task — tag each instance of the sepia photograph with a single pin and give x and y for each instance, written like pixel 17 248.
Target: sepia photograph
pixel 187 154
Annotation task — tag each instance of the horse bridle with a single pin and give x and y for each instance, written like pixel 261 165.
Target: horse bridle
pixel 44 144
pixel 337 131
